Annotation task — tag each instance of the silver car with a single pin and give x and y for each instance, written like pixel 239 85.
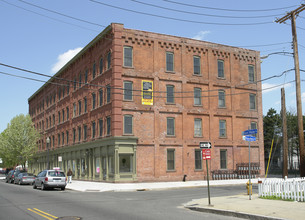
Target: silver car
pixel 50 179
pixel 24 178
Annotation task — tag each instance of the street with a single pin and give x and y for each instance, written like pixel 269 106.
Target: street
pixel 23 202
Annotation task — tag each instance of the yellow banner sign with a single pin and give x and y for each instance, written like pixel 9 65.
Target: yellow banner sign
pixel 147 92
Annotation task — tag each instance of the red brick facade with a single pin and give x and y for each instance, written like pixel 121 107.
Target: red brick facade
pixel 149 122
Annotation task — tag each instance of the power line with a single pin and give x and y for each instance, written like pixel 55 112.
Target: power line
pixel 101 86
pixel 266 45
pixel 201 14
pixel 177 19
pixel 154 96
pixel 225 9
pixel 55 19
pixel 68 16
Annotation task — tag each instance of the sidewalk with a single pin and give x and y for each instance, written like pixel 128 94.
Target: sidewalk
pixel 237 205
pixel 84 186
pixel 256 208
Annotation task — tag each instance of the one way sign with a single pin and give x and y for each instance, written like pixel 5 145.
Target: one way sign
pixel 206 145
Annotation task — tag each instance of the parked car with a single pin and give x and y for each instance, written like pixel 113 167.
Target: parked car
pixel 24 178
pixel 8 177
pixel 50 179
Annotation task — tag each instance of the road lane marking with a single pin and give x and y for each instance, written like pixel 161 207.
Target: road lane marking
pixel 43 214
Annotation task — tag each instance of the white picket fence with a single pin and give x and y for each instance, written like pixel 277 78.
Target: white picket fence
pixel 286 189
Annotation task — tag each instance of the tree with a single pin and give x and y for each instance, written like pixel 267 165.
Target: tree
pixel 18 141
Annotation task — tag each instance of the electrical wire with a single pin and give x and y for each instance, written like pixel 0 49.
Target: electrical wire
pixel 225 9
pixel 55 19
pixel 201 14
pixel 119 88
pixel 179 19
pixel 58 13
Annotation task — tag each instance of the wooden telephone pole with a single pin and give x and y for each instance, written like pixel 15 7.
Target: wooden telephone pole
pixel 291 15
pixel 284 135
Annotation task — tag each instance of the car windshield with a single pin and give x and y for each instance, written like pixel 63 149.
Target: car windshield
pixel 56 173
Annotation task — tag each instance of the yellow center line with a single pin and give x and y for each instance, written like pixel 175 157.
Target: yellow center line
pixel 43 214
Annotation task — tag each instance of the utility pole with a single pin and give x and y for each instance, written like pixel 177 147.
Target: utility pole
pixel 291 15
pixel 285 139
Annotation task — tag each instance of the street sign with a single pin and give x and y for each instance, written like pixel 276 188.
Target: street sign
pixel 249 138
pixel 206 145
pixel 206 154
pixel 251 131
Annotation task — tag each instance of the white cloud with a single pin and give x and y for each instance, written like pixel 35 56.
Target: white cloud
pixel 303 97
pixel 63 58
pixel 268 87
pixel 201 35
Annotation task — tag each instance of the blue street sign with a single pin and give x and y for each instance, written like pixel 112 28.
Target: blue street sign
pixel 252 131
pixel 249 138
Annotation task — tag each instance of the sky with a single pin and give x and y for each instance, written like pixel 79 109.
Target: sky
pixel 41 36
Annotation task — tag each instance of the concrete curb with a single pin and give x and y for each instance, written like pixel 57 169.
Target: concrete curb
pixel 232 213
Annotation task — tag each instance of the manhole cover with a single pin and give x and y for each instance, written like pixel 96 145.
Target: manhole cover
pixel 69 218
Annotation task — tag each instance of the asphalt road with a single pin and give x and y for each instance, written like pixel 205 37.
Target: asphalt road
pixel 23 202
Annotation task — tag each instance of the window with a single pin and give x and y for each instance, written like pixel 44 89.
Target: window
pixel 62 138
pixel 59 93
pixel 128 56
pixel 53 119
pixel 93 70
pixel 58 117
pixel 79 107
pixel 128 90
pixel 169 62
pixel 85 132
pixel 93 129
pixel 221 99
pixel 68 89
pixel 197 96
pixel 198 160
pixel 108 125
pixel 74 135
pixel 196 65
pixel 58 139
pixel 170 126
pixel 254 126
pixel 74 109
pixel 108 60
pixel 93 100
pixel 108 93
pixel 80 80
pixel 67 110
pixel 127 124
pixel 125 163
pixel 252 98
pixel 67 137
pixel 101 94
pixel 251 73
pixel 170 159
pixel 53 140
pixel 86 75
pixel 79 133
pixel 63 115
pixel 220 65
pixel 222 128
pixel 198 127
pixel 101 127
pixel 223 159
pixel 85 104
pixel 170 94
pixel 101 65
pixel 74 85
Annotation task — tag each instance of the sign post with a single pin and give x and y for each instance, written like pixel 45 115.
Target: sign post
pixel 206 155
pixel 249 138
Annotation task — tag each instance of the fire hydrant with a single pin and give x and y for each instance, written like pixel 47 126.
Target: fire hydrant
pixel 249 188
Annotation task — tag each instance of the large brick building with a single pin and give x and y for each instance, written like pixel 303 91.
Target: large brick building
pixel 134 105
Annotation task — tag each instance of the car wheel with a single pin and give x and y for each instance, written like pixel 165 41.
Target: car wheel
pixel 43 186
pixel 34 186
pixel 63 188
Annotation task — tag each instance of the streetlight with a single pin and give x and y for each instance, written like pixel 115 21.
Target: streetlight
pixel 48 161
pixel 279 53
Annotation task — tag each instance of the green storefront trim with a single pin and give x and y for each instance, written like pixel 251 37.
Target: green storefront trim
pixel 110 159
